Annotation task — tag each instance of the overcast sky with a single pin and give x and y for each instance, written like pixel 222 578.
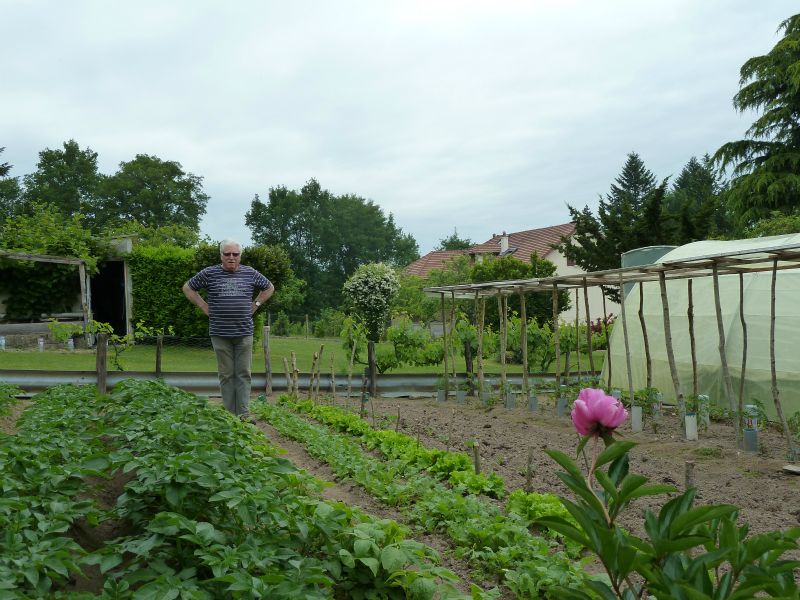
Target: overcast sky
pixel 478 115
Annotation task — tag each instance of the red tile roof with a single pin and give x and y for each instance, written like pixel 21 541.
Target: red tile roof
pixel 522 244
pixel 432 260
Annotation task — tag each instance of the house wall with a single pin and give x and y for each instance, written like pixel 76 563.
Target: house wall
pixel 595 293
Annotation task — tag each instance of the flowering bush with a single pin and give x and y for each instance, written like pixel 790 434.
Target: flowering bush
pixel 370 291
pixel 691 552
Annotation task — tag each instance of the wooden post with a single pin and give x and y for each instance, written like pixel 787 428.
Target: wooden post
pixel 159 354
pixel 319 370
pixel 625 337
pixel 295 375
pixel 350 370
pixel 577 334
pixel 523 336
pixel 373 369
pixel 481 314
pixel 267 363
pixel 608 342
pixel 726 374
pixel 588 327
pixel 773 371
pixel 101 363
pixel 690 316
pixel 673 370
pixel 452 333
pixel 444 346
pixel 645 339
pixel 310 390
pixel 556 342
pixel 689 475
pixel 529 472
pixel 288 376
pixel 84 302
pixel 333 378
pixel 744 358
pixel 476 457
pixel 307 327
pixel 501 311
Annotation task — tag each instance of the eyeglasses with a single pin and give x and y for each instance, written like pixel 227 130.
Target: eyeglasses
pixel 230 254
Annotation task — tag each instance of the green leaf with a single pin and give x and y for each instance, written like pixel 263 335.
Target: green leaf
pixel 613 452
pixel 371 563
pixel 700 514
pixel 346 558
pixel 362 548
pixel 392 558
pixel 421 589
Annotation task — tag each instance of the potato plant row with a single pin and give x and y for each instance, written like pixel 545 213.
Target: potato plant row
pixel 497 543
pixel 209 511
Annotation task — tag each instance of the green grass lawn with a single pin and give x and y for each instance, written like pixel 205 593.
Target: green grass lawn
pixel 182 358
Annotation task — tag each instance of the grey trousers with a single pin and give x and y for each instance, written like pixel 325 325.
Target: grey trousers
pixel 234 360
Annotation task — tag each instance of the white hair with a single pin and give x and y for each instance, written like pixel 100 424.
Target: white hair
pixel 224 243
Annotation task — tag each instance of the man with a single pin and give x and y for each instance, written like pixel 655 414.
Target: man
pixel 230 287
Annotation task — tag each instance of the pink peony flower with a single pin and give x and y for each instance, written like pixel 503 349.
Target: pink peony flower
pixel 594 413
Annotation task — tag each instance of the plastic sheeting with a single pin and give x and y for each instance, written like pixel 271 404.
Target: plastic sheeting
pixel 710 381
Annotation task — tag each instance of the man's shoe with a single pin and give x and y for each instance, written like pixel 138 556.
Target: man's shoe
pixel 247 419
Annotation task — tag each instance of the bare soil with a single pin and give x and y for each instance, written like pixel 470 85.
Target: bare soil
pixel 767 496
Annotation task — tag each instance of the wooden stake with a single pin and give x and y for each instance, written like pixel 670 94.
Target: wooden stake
pixel 444 342
pixel 523 334
pixel 373 369
pixel 350 370
pixel 690 316
pixel 648 359
pixel 476 458
pixel 295 376
pixel 689 475
pixel 588 327
pixel 101 362
pixel 333 378
pixel 267 362
pixel 556 341
pixel 288 376
pixel 625 337
pixel 577 334
pixel 726 374
pixel 608 342
pixel 159 354
pixel 319 371
pixel 775 392
pixel 451 346
pixel 739 433
pixel 673 370
pixel 481 315
pixel 529 472
pixel 310 390
pixel 503 341
pixel 397 425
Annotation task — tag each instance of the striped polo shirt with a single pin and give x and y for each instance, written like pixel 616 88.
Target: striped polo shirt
pixel 230 297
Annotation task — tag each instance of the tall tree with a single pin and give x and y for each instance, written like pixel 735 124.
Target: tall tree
pixel 9 191
pixel 694 203
pixel 66 178
pixel 328 237
pixel 630 216
pixel 154 192
pixel 766 164
pixel 454 242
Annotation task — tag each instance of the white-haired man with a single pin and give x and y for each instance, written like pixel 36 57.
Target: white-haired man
pixel 230 287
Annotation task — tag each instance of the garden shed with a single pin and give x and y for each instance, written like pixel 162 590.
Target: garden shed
pixel 745 296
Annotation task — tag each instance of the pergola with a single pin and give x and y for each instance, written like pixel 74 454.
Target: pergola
pixel 62 260
pixel 739 262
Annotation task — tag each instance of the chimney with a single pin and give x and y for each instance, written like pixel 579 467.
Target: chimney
pixel 503 243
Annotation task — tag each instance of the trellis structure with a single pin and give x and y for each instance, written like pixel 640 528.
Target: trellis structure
pixel 737 262
pixel 86 300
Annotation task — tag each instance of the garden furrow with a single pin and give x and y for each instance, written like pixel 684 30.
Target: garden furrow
pixel 497 545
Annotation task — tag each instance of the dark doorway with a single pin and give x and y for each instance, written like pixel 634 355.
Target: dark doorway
pixel 108 296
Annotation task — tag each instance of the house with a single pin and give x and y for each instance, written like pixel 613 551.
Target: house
pixel 521 245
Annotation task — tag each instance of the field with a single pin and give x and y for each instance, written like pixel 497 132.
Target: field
pixel 151 490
